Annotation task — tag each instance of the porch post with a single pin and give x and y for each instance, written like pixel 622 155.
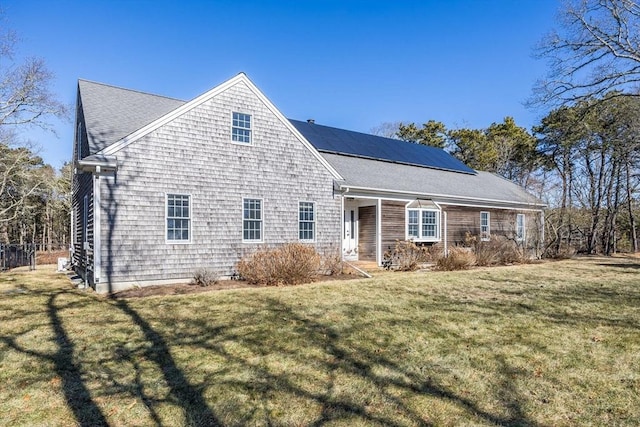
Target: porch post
pixel 379 232
pixel 341 245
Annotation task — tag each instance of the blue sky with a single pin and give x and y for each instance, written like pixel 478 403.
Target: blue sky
pixel 348 64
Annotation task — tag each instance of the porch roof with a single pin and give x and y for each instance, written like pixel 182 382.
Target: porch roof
pixel 386 178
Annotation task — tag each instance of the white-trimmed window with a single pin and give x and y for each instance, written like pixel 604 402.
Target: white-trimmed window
pixel 306 221
pixel 178 218
pixel 520 228
pixel 423 221
pixel 485 230
pixel 252 220
pixel 241 128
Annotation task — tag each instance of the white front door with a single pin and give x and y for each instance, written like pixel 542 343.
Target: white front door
pixel 350 233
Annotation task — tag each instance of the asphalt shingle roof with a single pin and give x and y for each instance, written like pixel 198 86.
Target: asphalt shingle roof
pixel 395 177
pixel 111 113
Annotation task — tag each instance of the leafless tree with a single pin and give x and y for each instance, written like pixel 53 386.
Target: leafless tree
pixel 25 100
pixel 25 97
pixel 386 129
pixel 596 51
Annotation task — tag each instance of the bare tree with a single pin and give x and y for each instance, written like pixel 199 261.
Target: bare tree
pixel 20 178
pixel 597 50
pixel 386 129
pixel 25 100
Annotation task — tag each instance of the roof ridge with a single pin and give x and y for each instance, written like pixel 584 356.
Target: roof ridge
pixel 130 90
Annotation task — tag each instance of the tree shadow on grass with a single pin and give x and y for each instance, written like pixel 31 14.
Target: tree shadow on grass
pixel 197 411
pixel 387 380
pixel 68 365
pixel 78 398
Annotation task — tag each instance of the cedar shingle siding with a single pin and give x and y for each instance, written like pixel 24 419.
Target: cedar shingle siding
pixel 462 220
pixel 82 185
pixel 393 223
pixel 194 155
pixel 367 233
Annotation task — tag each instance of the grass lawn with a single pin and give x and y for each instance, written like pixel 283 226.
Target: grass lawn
pixel 553 344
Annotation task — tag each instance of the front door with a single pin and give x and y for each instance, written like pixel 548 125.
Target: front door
pixel 350 233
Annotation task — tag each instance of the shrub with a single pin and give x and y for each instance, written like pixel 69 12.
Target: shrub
pixel 458 259
pixel 204 277
pixel 497 251
pixel 331 264
pixel 290 264
pixel 407 256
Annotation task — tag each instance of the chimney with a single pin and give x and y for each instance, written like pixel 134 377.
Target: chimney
pixel 311 121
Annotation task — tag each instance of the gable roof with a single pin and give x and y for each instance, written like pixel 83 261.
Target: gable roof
pixel 119 117
pixel 367 175
pixel 328 139
pixel 111 113
pixel 115 117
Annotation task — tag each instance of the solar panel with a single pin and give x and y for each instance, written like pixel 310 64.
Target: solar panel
pixel 346 142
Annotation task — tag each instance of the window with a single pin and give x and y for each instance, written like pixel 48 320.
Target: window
pixel 423 224
pixel 252 220
pixel 178 218
pixel 484 226
pixel 241 129
pixel 520 230
pixel 306 221
pixel 414 224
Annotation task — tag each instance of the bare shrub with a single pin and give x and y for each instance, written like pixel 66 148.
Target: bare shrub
pixel 458 259
pixel 290 264
pixel 407 256
pixel 204 277
pixel 498 250
pixel 332 264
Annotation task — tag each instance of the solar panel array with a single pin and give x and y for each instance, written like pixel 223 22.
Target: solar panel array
pixel 346 142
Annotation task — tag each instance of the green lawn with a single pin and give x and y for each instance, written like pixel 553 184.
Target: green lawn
pixel 548 344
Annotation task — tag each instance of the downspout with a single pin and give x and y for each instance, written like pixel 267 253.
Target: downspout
pixel 341 222
pixel 97 258
pixel 444 232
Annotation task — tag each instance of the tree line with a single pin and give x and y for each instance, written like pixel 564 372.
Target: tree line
pixel 34 197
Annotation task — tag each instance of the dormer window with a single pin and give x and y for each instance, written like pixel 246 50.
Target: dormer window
pixel 241 128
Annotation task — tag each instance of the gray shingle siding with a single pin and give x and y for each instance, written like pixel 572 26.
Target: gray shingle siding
pixel 194 155
pixel 82 261
pixel 82 185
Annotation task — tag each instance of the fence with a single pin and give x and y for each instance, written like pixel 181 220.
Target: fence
pixel 12 256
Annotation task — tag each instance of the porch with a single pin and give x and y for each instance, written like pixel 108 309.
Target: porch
pixel 371 226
